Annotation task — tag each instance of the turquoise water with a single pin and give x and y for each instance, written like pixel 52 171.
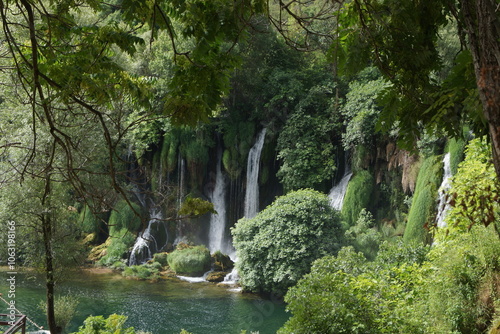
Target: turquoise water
pixel 161 308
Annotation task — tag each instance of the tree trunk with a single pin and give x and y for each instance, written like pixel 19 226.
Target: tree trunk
pixel 482 25
pixel 47 231
pixel 49 273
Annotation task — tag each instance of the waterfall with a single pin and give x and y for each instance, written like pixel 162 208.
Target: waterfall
pixel 443 205
pixel 181 175
pixel 216 235
pixel 252 185
pixel 146 243
pixel 337 193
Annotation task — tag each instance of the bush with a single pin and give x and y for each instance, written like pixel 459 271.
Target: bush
pixel 276 248
pixel 348 294
pixel 363 236
pixel 192 261
pixel 64 309
pixel 143 272
pixel 112 325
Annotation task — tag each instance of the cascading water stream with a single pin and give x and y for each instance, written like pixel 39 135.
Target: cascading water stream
pixel 251 194
pixel 337 193
pixel 252 185
pixel 181 175
pixel 443 205
pixel 146 243
pixel 217 232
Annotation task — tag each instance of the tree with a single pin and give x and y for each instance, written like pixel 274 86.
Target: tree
pixel 403 39
pixel 276 248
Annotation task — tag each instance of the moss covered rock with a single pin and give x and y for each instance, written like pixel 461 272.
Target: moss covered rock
pixel 192 261
pixel 216 276
pixel 222 262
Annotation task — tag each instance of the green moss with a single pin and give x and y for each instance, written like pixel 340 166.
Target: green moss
pixel 424 200
pixel 357 197
pixel 161 258
pixel 456 148
pixel 231 164
pixel 168 155
pixel 123 216
pixel 89 222
pixel 142 272
pixel 119 243
pixel 192 261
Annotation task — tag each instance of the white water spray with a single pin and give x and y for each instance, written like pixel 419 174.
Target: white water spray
pixel 252 185
pixel 146 245
pixel 337 193
pixel 443 205
pixel 216 235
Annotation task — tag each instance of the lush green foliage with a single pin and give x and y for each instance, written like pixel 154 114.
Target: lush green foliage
pixel 361 110
pixel 463 287
pixel 276 248
pixel 357 197
pixel 363 236
pixel 347 294
pixel 453 288
pixel 114 324
pixel 474 195
pixel 193 261
pixel 144 271
pixel 118 245
pixel 192 206
pixel 306 144
pixel 64 309
pixel 125 216
pixel 410 39
pixel 456 148
pixel 424 200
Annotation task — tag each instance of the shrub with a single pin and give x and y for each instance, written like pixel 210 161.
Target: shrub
pixel 64 309
pixel 193 261
pixel 112 325
pixel 363 236
pixel 348 294
pixel 143 272
pixel 276 248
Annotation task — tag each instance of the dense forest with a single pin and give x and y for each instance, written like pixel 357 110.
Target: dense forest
pixel 341 156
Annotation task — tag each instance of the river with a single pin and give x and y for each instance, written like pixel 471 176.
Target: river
pixel 163 307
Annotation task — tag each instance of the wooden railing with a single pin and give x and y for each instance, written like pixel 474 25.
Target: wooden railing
pixel 17 326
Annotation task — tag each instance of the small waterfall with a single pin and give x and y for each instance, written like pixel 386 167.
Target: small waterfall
pixel 181 175
pixel 146 244
pixel 443 205
pixel 337 193
pixel 216 235
pixel 252 185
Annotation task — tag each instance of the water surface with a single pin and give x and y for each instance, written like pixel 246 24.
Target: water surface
pixel 163 307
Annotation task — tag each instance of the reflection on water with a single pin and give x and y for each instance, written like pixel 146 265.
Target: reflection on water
pixel 161 308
